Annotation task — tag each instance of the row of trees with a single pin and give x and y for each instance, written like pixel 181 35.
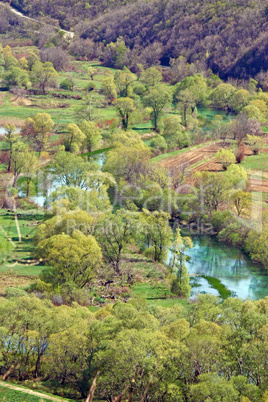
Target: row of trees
pixel 214 351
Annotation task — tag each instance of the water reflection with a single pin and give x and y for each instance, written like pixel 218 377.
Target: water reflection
pixel 230 265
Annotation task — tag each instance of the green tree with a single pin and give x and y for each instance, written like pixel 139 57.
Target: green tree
pixel 238 100
pixel 70 170
pixel 10 139
pixel 226 157
pixel 108 87
pixel 158 97
pixel 92 135
pixel 252 112
pixel 129 158
pixel 43 75
pixel 212 190
pixel 151 76
pixel 37 130
pixel 16 77
pixel 196 84
pixel 181 284
pixel 221 95
pixel 155 233
pixel 186 100
pixel 19 157
pixel 32 163
pixel 113 232
pixel 73 259
pixel 65 223
pixel 74 138
pixel 255 143
pixel 92 71
pixel 124 80
pixel 125 107
pixel 213 387
pixel 241 200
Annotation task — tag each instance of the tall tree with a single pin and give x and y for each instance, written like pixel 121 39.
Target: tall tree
pixel 125 107
pixel 158 97
pixel 43 75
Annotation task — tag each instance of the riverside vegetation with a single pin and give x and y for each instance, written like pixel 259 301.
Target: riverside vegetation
pixel 128 163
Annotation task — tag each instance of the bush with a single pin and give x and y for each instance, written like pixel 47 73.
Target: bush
pixel 67 84
pixel 14 292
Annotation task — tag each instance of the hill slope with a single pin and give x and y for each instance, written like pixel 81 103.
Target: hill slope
pixel 221 34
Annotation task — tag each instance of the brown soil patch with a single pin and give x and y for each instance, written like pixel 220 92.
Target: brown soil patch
pixel 21 102
pixel 14 280
pixel 258 185
pixel 197 155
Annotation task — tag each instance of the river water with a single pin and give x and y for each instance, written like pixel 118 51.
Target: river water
pixel 228 264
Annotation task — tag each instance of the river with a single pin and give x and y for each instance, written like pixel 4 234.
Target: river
pixel 228 264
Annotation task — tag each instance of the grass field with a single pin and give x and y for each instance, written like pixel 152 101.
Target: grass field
pixel 256 162
pixel 17 264
pixel 8 394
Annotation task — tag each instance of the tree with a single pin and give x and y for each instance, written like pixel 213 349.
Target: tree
pixel 186 99
pixel 124 80
pixel 181 284
pixel 31 165
pixel 158 97
pixel 10 139
pixel 212 387
pixel 129 158
pixel 125 107
pixel 37 130
pixel 238 100
pixel 43 75
pixel 113 232
pixel 212 190
pixel 172 131
pixel 18 158
pixel 241 200
pixel 155 233
pixel 70 170
pixel 74 138
pixel 108 87
pixel 196 84
pixel 253 112
pixel 91 72
pixel 73 258
pixel 226 157
pixel 221 95
pixel 16 77
pixel 92 135
pixel 65 223
pixel 151 76
pixel 255 143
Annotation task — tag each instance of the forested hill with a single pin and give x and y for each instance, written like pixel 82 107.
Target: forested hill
pixel 67 12
pixel 228 36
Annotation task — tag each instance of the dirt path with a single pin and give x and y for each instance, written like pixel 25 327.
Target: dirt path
pixel 29 391
pixel 68 34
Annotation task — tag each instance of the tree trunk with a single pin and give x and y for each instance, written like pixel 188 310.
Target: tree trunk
pixel 92 388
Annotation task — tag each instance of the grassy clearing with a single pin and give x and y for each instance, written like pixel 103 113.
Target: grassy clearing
pixel 10 395
pixel 17 265
pixel 13 393
pixel 158 294
pixel 256 162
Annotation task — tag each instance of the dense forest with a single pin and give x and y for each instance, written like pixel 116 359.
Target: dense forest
pixel 228 37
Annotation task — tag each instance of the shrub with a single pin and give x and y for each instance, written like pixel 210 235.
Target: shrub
pixel 67 84
pixel 14 292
